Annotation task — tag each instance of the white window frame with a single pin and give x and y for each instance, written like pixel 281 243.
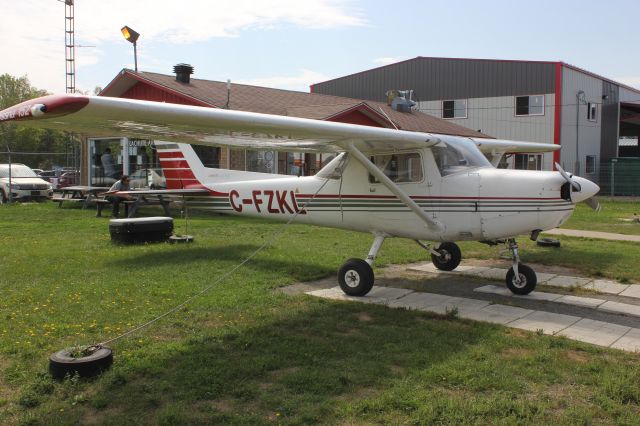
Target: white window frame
pixel 515 106
pixel 592 111
pixel 594 167
pixel 466 104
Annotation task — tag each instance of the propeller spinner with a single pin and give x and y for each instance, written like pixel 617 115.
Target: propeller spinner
pixel 582 189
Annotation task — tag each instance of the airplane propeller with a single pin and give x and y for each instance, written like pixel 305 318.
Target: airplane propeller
pixel 575 182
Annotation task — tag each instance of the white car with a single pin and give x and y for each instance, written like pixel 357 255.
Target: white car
pixel 25 184
pixel 147 178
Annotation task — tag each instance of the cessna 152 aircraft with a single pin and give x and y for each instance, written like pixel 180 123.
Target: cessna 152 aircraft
pixel 386 182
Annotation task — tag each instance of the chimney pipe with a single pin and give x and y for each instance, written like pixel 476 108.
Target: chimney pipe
pixel 183 73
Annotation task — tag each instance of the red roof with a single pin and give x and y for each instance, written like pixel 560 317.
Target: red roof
pixel 278 102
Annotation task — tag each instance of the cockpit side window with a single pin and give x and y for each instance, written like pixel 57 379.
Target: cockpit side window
pixel 400 168
pixel 460 157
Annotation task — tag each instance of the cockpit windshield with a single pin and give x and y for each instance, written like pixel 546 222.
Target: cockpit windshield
pixel 461 157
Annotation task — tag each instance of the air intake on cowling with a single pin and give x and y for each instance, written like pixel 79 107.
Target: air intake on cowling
pixel 183 72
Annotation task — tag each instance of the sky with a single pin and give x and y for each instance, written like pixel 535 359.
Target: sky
pixel 290 44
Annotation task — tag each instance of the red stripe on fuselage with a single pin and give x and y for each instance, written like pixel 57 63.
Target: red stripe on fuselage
pixel 174 164
pixel 172 154
pixel 179 174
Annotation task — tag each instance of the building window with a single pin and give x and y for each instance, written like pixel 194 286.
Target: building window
pixel 528 161
pixel 529 105
pixel 592 111
pixel 399 167
pixel 454 109
pixel 590 165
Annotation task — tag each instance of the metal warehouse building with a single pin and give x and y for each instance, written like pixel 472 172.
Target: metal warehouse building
pixel 536 101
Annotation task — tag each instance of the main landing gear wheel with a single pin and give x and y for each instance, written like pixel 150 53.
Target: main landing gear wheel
pixel 449 258
pixel 356 277
pixel 527 280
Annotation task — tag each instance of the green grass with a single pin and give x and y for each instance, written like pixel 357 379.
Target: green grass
pixel 245 354
pixel 614 217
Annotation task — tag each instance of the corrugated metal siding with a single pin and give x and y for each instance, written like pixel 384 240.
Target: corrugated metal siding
pixel 442 78
pixel 610 122
pixel 589 132
pixel 495 116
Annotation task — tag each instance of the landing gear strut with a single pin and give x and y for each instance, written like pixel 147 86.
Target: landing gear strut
pixel 521 279
pixel 356 275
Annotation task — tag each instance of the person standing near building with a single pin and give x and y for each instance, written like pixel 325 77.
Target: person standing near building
pixel 107 163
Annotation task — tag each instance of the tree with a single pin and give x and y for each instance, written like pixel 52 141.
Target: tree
pixel 19 138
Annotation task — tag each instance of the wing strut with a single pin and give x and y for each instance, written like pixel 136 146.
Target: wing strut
pixel 395 189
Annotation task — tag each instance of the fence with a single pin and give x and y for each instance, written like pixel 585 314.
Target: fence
pixel 69 160
pixel 619 176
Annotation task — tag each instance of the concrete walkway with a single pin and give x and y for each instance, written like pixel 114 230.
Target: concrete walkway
pixel 593 234
pixel 552 280
pixel 573 327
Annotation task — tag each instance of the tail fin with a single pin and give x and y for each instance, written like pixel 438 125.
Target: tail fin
pixel 183 169
pixel 181 166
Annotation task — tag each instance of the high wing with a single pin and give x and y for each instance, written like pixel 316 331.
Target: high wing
pixel 103 116
pixel 494 149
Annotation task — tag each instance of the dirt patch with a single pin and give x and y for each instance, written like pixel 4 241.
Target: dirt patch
pixel 516 352
pixel 364 317
pixel 577 356
pixel 95 417
pixel 278 374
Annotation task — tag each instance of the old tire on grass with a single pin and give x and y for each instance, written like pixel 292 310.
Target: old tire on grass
pixel 449 258
pixel 62 364
pixel 528 280
pixel 177 239
pixel 548 242
pixel 356 277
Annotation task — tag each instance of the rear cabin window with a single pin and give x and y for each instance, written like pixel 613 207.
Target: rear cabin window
pixel 399 167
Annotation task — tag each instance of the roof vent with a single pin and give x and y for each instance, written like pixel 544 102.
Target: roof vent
pixel 400 100
pixel 183 72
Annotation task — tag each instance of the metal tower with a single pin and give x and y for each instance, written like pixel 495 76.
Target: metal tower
pixel 70 46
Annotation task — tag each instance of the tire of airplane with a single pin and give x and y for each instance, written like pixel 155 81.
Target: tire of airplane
pixel 449 258
pixel 97 360
pixel 528 280
pixel 548 242
pixel 356 277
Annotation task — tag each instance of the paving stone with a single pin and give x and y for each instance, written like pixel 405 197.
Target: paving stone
pixel 461 304
pixel 567 282
pixel 548 322
pixel 425 267
pixel 498 314
pixel 606 286
pixel 632 291
pixel 585 302
pixel 476 270
pixel 595 332
pixel 494 289
pixel 464 269
pixel 503 291
pixel 544 277
pixel 620 308
pixel 539 295
pixel 381 295
pixel 419 301
pixel 494 274
pixel 629 342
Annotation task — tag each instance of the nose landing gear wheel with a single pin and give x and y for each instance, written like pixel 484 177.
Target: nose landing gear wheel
pixel 528 280
pixel 356 277
pixel 449 258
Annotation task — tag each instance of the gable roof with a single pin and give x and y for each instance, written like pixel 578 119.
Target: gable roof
pixel 282 102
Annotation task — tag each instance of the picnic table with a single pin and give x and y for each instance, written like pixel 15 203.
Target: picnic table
pixel 137 200
pixel 86 195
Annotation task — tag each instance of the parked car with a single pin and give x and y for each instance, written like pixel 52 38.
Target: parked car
pixel 148 178
pixel 25 184
pixel 68 179
pixel 51 176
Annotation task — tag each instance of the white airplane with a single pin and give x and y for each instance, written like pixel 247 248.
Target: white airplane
pixel 386 182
